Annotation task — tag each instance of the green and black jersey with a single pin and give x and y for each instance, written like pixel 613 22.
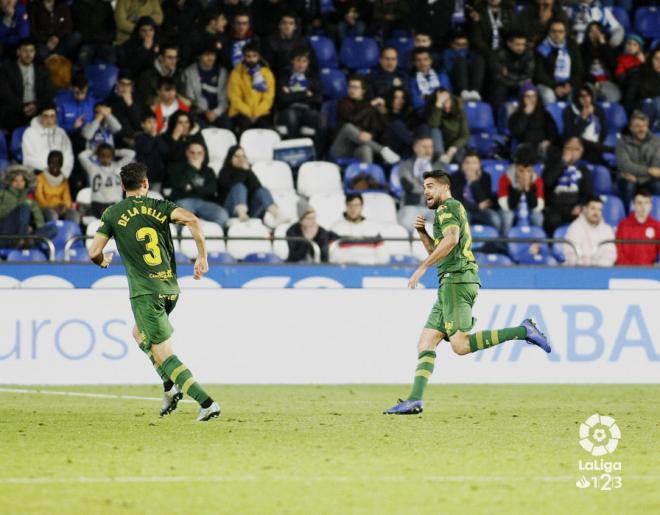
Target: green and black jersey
pixel 141 228
pixel 459 266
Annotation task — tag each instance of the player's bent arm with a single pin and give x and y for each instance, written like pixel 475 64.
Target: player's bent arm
pixel 427 241
pixel 184 217
pixel 450 237
pixel 96 251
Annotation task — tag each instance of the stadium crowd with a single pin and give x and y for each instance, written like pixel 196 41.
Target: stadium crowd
pixel 316 119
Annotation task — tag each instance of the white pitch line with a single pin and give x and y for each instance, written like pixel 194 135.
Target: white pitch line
pixel 84 394
pixel 296 479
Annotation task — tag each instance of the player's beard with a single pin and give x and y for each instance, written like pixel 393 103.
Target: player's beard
pixel 434 205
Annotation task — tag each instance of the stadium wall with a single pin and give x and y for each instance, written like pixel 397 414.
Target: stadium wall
pixel 65 336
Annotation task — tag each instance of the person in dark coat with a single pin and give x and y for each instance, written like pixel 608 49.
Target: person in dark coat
pixel 141 50
pixel 95 19
pixel 126 108
pixel 51 25
pixel 151 150
pixel 308 227
pixel 585 119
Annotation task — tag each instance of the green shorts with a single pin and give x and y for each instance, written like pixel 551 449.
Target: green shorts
pixel 452 311
pixel 151 317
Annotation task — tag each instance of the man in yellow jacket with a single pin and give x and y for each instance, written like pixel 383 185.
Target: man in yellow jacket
pixel 251 91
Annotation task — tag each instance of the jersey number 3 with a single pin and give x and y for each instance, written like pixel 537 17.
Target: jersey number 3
pixel 153 257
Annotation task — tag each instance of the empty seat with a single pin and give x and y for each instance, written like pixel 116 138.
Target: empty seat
pixel 281 247
pixel 324 50
pixel 504 113
pixel 359 53
pixel 492 259
pixel 624 19
pixel 329 110
pixel 294 151
pixel 27 255
pixel 379 207
pixel 616 116
pixel 613 210
pixel 220 258
pixel 218 141
pixel 259 144
pixel 483 143
pixel 102 79
pixel 253 228
pixel 482 231
pixel 647 22
pixel 262 257
pixel 368 169
pixel 65 231
pixel 480 117
pixel 16 144
pixel 84 196
pixel 404 46
pixel 558 248
pixel 495 169
pixel 75 256
pixel 155 195
pixel 601 179
pixel 556 109
pixel 274 175
pixel 329 207
pixel 92 227
pixel 333 83
pixel 319 177
pixel 395 248
pixel 211 230
pixel 520 251
pixel 396 188
pixel 655 209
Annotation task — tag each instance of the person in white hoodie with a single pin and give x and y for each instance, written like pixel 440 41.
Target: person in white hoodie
pixel 353 225
pixel 587 233
pixel 103 172
pixel 43 136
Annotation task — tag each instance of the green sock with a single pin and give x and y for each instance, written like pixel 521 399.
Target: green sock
pixel 426 360
pixel 485 339
pixel 157 368
pixel 184 379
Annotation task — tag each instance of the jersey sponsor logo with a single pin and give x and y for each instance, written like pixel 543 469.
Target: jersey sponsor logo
pixel 163 275
pixel 143 210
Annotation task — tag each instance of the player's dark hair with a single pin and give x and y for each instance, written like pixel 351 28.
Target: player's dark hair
pixel 352 196
pixel 643 191
pixel 132 175
pixel 439 175
pixel 593 198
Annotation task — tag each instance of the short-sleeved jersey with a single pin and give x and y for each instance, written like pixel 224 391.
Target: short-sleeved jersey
pixel 459 266
pixel 141 228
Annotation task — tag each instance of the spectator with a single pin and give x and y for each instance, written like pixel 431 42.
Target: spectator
pixel 268 13
pixel 151 150
pixel 165 67
pixel 52 191
pixel 449 126
pixel 279 48
pixel 251 92
pixel 19 214
pixel 490 22
pixel 587 233
pixel 531 123
pixel 214 22
pixel 24 85
pixel 646 89
pixel 350 25
pixel 590 11
pixel 599 60
pixel 465 67
pixel 639 225
pixel 95 19
pixel 360 126
pixel 180 132
pixel 390 15
pixel 42 136
pixel 511 66
pixel 638 158
pixel 424 40
pixel 241 192
pixel 240 35
pixel 140 51
pixel 167 103
pixel 206 87
pixel 387 75
pixel 129 12
pixel 585 119
pixel 299 101
pixel 75 108
pixel 431 17
pixel 14 25
pixel 411 173
pixel 472 188
pixel 353 225
pixel 126 109
pixel 520 192
pixel 307 227
pixel 558 68
pixel 51 25
pixel 567 186
pixel 102 128
pixel 194 185
pixel 536 17
pixel 103 174
pixel 401 120
pixel 425 80
pixel 629 64
pixel 181 19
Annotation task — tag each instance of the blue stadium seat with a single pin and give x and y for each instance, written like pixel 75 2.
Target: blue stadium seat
pixel 616 115
pixel 359 53
pixel 333 83
pixel 355 169
pixel 647 22
pixel 220 258
pixel 262 257
pixel 65 231
pixel 537 259
pixel 102 79
pixel 404 260
pixel 495 169
pixel 480 117
pixel 324 49
pixel 613 211
pixel 655 209
pixel 180 257
pixel 76 255
pixel 4 154
pixel 484 143
pixel 492 259
pixel 504 113
pixel 557 248
pixel 556 109
pixel 404 46
pixel 520 252
pixel 622 15
pixel 16 144
pixel 29 255
pixel 482 231
pixel 601 179
pixel 396 189
pixel 445 81
pixel 329 109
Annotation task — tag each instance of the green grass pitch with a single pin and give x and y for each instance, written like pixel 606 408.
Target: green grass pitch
pixel 325 449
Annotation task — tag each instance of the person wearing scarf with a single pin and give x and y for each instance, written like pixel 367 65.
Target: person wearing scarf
pixel 589 11
pixel 251 91
pixel 240 35
pixel 585 119
pixel 52 191
pixel 425 80
pixel 558 66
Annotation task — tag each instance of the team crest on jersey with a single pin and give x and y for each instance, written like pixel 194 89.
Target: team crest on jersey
pixel 449 325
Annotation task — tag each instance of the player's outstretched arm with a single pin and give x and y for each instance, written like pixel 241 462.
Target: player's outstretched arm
pixel 184 217
pixel 96 251
pixel 450 238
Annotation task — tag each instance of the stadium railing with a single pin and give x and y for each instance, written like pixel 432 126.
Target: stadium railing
pixel 49 243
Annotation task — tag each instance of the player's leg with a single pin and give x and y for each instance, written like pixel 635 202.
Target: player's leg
pixel 140 339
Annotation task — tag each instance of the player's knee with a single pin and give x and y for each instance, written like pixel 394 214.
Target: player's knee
pixel 460 345
pixel 137 335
